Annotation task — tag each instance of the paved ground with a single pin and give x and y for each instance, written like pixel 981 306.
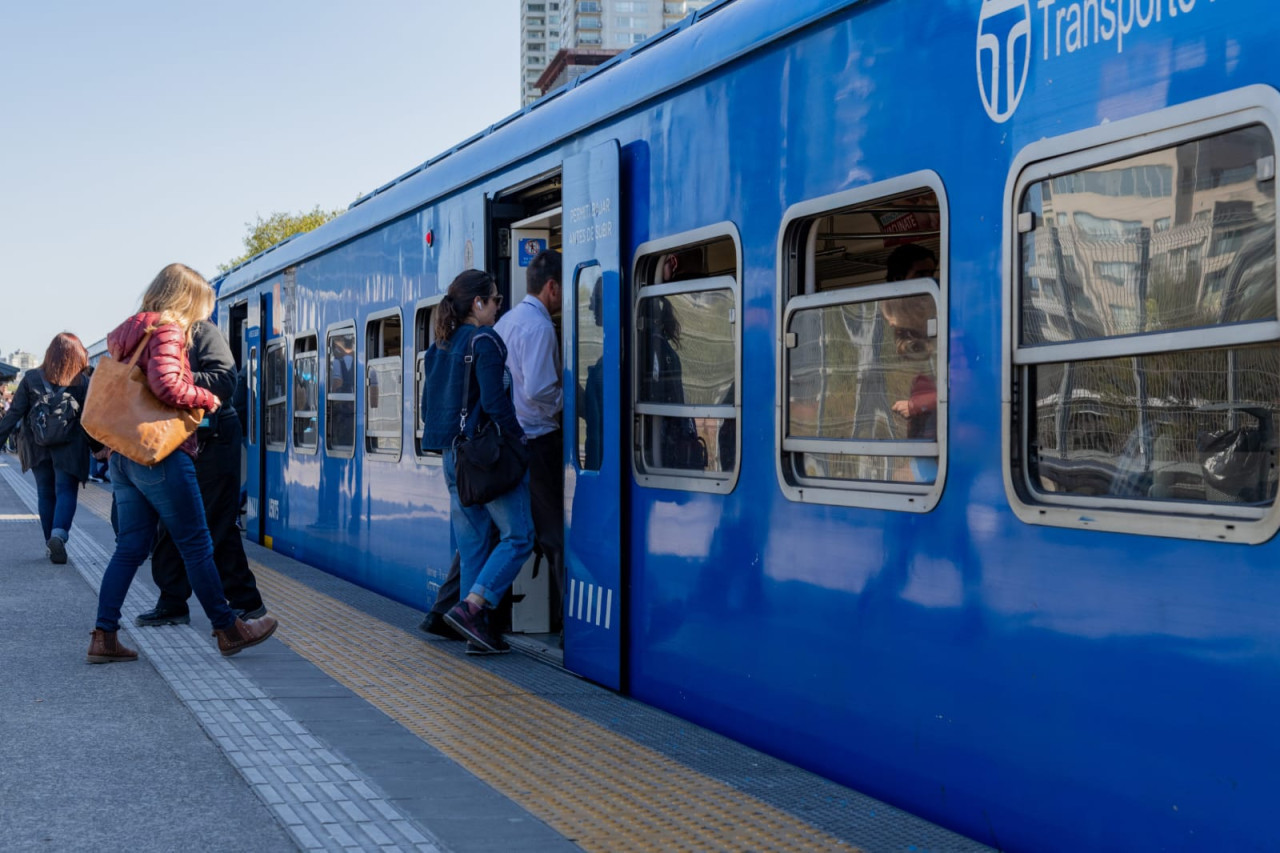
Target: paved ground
pixel 351 731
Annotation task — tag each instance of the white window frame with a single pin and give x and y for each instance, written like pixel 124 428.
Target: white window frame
pixel 1071 153
pixel 877 494
pixel 424 457
pixel 282 401
pixel 305 449
pixel 716 482
pixel 369 366
pixel 344 326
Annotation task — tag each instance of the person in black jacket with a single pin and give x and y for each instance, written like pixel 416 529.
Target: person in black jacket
pixel 60 468
pixel 218 473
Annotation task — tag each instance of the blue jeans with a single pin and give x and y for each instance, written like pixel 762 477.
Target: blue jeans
pixel 167 491
pixel 56 496
pixel 489 573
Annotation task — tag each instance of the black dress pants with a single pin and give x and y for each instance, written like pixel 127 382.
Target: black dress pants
pixel 218 472
pixel 546 501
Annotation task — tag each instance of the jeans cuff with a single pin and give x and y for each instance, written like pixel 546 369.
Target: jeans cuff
pixel 59 533
pixel 490 601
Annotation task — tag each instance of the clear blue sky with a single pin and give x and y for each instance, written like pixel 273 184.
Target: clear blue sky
pixel 141 132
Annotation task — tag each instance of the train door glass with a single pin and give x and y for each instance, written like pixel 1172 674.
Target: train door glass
pixel 594 448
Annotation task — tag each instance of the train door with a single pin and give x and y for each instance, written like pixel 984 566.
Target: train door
pixel 252 348
pixel 596 452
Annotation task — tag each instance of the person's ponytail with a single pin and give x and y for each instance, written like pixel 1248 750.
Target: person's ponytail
pixel 455 308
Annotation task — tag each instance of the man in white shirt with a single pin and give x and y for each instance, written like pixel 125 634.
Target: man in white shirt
pixel 533 357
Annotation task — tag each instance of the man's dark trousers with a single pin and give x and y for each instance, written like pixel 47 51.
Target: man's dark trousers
pixel 218 471
pixel 546 501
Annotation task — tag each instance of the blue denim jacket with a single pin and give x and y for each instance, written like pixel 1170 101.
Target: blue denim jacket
pixel 445 370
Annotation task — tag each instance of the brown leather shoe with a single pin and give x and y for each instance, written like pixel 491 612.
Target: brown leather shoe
pixel 243 634
pixel 104 647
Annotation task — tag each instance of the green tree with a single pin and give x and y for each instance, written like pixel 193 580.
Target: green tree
pixel 265 233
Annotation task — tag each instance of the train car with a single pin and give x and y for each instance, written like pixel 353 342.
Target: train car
pixel 989 534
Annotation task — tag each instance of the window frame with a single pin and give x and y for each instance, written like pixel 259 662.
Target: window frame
pixel 280 343
pixel 423 457
pixel 371 363
pixel 871 494
pixel 1073 152
pixel 714 482
pixel 330 332
pixel 295 413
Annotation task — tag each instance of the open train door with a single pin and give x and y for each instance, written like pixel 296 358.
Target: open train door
pixel 257 318
pixel 595 448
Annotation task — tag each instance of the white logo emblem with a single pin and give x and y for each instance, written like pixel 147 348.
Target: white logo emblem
pixel 1004 55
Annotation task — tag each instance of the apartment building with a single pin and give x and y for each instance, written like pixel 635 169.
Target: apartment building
pixel 586 28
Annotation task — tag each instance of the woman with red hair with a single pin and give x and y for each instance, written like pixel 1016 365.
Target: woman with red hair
pixel 60 458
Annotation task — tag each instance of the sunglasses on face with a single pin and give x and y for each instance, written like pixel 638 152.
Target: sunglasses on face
pixel 496 299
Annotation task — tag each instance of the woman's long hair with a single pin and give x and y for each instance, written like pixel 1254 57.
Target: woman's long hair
pixel 64 360
pixel 457 304
pixel 180 295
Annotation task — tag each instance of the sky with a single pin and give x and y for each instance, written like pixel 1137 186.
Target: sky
pixel 141 132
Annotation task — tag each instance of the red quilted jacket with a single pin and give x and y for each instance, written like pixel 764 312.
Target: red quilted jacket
pixel 165 364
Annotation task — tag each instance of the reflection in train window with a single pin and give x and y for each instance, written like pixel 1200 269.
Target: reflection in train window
pixel 687 363
pixel 1145 355
pixel 276 382
pixel 863 368
pixel 384 385
pixel 340 392
pixel 423 337
pixel 590 359
pixel 306 386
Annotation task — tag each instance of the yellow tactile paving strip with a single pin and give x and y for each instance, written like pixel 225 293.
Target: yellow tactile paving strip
pixel 597 788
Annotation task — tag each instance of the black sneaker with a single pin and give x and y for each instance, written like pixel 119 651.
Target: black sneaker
pixel 473 649
pixel 257 613
pixel 57 551
pixel 472 622
pixel 433 623
pixel 161 615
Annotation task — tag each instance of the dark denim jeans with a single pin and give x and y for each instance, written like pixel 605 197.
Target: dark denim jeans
pixel 168 492
pixel 56 495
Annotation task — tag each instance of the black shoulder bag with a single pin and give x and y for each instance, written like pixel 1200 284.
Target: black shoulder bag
pixel 490 463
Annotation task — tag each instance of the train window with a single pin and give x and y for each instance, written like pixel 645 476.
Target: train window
pixel 862 374
pixel 423 336
pixel 306 388
pixel 384 385
pixel 276 381
pixel 340 391
pixel 252 394
pixel 1145 359
pixel 590 348
pixel 687 361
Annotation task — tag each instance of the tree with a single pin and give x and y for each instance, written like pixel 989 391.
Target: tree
pixel 265 233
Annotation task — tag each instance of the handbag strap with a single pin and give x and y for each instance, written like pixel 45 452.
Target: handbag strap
pixel 142 344
pixel 470 360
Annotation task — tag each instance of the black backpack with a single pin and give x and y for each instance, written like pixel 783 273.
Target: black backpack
pixel 54 416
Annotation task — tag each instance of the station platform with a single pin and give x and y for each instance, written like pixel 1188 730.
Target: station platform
pixel 350 730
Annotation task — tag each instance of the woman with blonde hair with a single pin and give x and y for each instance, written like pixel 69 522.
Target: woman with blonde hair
pixel 57 449
pixel 167 491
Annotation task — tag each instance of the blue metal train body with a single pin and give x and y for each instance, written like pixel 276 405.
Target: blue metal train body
pixel 1037 675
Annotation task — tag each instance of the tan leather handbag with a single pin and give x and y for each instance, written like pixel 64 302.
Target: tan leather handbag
pixel 121 412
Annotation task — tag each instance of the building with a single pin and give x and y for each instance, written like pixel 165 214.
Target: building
pixel 22 360
pixel 590 31
pixel 540 33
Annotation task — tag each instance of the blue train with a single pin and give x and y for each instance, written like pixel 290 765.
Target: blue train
pixel 965 495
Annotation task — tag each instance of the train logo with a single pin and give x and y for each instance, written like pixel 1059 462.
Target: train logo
pixel 1004 55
